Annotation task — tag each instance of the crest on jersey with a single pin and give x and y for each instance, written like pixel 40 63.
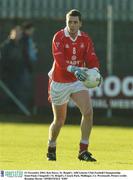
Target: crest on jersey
pixel 82 45
pixel 67 46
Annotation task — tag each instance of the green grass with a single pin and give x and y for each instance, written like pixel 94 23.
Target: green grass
pixel 24 146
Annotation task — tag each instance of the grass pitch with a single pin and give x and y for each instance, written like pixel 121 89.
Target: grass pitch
pixel 24 147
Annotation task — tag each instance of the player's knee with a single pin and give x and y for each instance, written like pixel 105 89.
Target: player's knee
pixel 88 113
pixel 59 122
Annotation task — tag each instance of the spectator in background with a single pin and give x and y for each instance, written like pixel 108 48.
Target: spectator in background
pixel 30 54
pixel 29 47
pixel 17 57
pixel 11 61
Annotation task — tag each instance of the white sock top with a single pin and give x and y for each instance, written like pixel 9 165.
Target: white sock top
pixel 84 141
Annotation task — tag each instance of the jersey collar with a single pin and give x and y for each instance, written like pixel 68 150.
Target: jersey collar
pixel 68 35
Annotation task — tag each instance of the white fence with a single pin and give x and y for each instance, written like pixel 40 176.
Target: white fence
pixel 91 9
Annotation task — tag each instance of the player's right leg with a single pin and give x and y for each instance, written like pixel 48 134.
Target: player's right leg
pixel 59 112
pixel 59 96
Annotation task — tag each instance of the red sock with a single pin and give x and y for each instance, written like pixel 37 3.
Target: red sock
pixel 83 147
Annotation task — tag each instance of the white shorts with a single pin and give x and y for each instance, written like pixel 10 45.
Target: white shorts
pixel 60 92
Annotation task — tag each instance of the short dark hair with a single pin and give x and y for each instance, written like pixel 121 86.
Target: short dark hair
pixel 74 12
pixel 27 25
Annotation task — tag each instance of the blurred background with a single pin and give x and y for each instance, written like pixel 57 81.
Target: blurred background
pixel 110 25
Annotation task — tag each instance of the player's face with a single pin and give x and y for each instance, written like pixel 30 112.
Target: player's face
pixel 73 24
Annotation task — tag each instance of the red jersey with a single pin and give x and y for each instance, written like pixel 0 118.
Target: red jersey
pixel 67 51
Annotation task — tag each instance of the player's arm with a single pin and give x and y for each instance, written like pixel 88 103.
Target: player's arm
pixel 91 58
pixel 58 52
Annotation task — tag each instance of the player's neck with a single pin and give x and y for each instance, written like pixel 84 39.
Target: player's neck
pixel 73 35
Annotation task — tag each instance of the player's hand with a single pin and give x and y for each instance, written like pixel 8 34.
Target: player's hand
pixel 72 69
pixel 80 74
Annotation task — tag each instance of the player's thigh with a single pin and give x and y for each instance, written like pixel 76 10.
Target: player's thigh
pixel 59 93
pixel 59 112
pixel 83 101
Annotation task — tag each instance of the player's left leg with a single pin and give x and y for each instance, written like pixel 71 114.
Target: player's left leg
pixel 83 101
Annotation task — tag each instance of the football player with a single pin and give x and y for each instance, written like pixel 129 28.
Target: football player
pixel 73 52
